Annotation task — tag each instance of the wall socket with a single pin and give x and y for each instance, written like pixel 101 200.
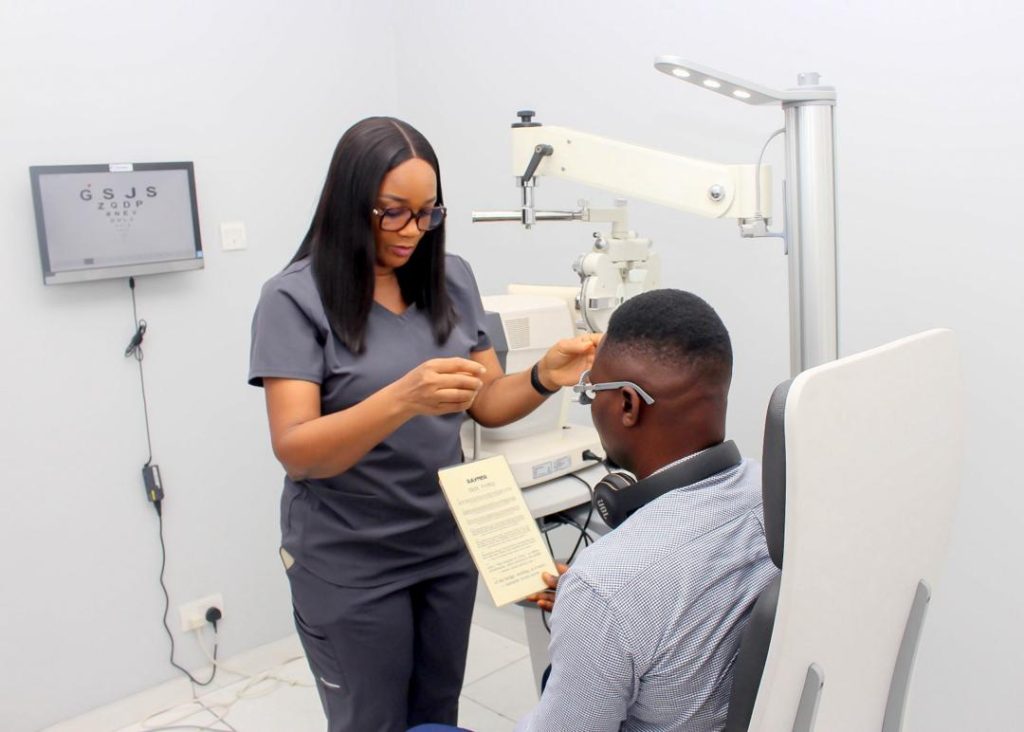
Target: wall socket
pixel 232 235
pixel 193 614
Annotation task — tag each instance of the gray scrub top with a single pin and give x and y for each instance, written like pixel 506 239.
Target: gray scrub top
pixel 384 519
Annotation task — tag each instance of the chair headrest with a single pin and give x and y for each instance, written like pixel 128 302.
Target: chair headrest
pixel 773 472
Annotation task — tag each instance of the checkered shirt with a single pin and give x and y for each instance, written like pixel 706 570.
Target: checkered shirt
pixel 647 623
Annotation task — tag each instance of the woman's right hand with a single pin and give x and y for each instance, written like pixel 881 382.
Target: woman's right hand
pixel 440 386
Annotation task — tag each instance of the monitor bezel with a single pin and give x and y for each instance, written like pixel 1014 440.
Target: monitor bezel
pixel 88 274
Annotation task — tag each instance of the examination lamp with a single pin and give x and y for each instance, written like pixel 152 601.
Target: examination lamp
pixel 810 196
pixel 623 264
pixel 741 89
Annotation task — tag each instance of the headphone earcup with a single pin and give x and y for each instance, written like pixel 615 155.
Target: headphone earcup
pixel 605 498
pixel 619 495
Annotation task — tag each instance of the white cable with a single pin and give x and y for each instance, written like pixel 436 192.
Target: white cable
pixel 185 714
pixel 219 717
pixel 221 709
pixel 254 679
pixel 757 173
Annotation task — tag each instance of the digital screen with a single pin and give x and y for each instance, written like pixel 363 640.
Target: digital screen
pixel 102 221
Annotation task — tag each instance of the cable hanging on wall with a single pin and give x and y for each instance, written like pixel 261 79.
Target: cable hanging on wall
pixel 155 491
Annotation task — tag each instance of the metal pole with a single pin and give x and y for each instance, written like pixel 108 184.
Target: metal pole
pixel 811 230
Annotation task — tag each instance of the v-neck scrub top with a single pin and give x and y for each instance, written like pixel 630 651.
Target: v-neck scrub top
pixel 385 519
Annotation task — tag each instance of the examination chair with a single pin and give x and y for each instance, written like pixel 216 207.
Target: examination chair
pixel 758 633
pixel 862 460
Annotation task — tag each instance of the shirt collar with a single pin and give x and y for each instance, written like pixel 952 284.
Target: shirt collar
pixel 680 461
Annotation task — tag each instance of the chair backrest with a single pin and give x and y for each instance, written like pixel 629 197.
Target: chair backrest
pixel 873 452
pixel 757 634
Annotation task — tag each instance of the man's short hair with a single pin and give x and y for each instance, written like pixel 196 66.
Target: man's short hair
pixel 673 328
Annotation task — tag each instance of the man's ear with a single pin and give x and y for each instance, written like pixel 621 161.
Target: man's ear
pixel 631 406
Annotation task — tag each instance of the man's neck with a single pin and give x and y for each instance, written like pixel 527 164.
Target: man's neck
pixel 655 460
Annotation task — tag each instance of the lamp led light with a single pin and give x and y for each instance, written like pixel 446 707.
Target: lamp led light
pixel 808 90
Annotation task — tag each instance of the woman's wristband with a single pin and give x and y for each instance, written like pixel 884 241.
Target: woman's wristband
pixel 535 382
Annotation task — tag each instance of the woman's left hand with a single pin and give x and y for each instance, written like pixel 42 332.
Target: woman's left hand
pixel 567 359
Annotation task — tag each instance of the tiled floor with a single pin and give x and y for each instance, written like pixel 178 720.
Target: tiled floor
pixel 498 689
pixel 280 697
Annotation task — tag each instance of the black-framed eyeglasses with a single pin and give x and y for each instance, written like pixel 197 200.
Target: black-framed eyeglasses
pixel 587 391
pixel 396 219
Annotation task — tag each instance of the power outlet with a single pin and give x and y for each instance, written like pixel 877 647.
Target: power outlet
pixel 193 614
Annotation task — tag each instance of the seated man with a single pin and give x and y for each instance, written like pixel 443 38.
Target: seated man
pixel 648 620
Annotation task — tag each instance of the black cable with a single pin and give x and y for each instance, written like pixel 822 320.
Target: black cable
pixel 584 536
pixel 586 522
pixel 561 519
pixel 135 349
pixel 167 607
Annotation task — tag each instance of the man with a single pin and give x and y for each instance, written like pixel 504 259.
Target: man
pixel 648 620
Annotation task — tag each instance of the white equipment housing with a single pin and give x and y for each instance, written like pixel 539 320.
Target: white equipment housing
pixel 541 446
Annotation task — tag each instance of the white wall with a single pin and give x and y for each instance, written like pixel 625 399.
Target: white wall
pixel 257 95
pixel 930 159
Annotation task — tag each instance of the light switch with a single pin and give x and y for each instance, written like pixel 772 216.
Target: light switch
pixel 232 235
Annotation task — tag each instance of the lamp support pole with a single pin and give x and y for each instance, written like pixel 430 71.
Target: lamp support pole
pixel 810 230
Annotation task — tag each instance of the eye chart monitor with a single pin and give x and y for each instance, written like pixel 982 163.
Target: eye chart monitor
pixel 115 220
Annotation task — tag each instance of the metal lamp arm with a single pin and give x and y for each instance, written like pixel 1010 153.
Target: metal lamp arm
pixel 688 184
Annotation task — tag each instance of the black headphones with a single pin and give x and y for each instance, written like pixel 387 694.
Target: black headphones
pixel 618 495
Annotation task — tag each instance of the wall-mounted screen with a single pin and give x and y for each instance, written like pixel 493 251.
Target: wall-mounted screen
pixel 115 220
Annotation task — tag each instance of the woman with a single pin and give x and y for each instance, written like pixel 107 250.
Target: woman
pixel 370 346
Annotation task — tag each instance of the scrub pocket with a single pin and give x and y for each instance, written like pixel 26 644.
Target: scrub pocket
pixel 320 653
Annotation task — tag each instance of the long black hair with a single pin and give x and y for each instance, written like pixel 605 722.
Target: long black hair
pixel 340 240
